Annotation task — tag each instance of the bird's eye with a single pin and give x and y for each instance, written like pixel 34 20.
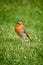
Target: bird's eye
pixel 18 23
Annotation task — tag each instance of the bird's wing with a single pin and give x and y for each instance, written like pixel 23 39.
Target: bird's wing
pixel 24 30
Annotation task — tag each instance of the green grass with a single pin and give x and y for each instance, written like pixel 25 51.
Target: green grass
pixel 13 49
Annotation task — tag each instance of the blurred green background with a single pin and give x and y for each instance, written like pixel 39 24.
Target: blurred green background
pixel 14 51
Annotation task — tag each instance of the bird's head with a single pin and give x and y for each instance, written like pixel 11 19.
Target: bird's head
pixel 19 22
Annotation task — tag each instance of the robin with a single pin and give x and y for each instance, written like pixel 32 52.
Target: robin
pixel 20 30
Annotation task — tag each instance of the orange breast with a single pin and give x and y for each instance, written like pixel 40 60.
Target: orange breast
pixel 18 28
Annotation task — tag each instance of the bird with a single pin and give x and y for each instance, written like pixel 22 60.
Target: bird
pixel 20 30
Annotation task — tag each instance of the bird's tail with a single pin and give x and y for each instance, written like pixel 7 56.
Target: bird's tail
pixel 27 35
